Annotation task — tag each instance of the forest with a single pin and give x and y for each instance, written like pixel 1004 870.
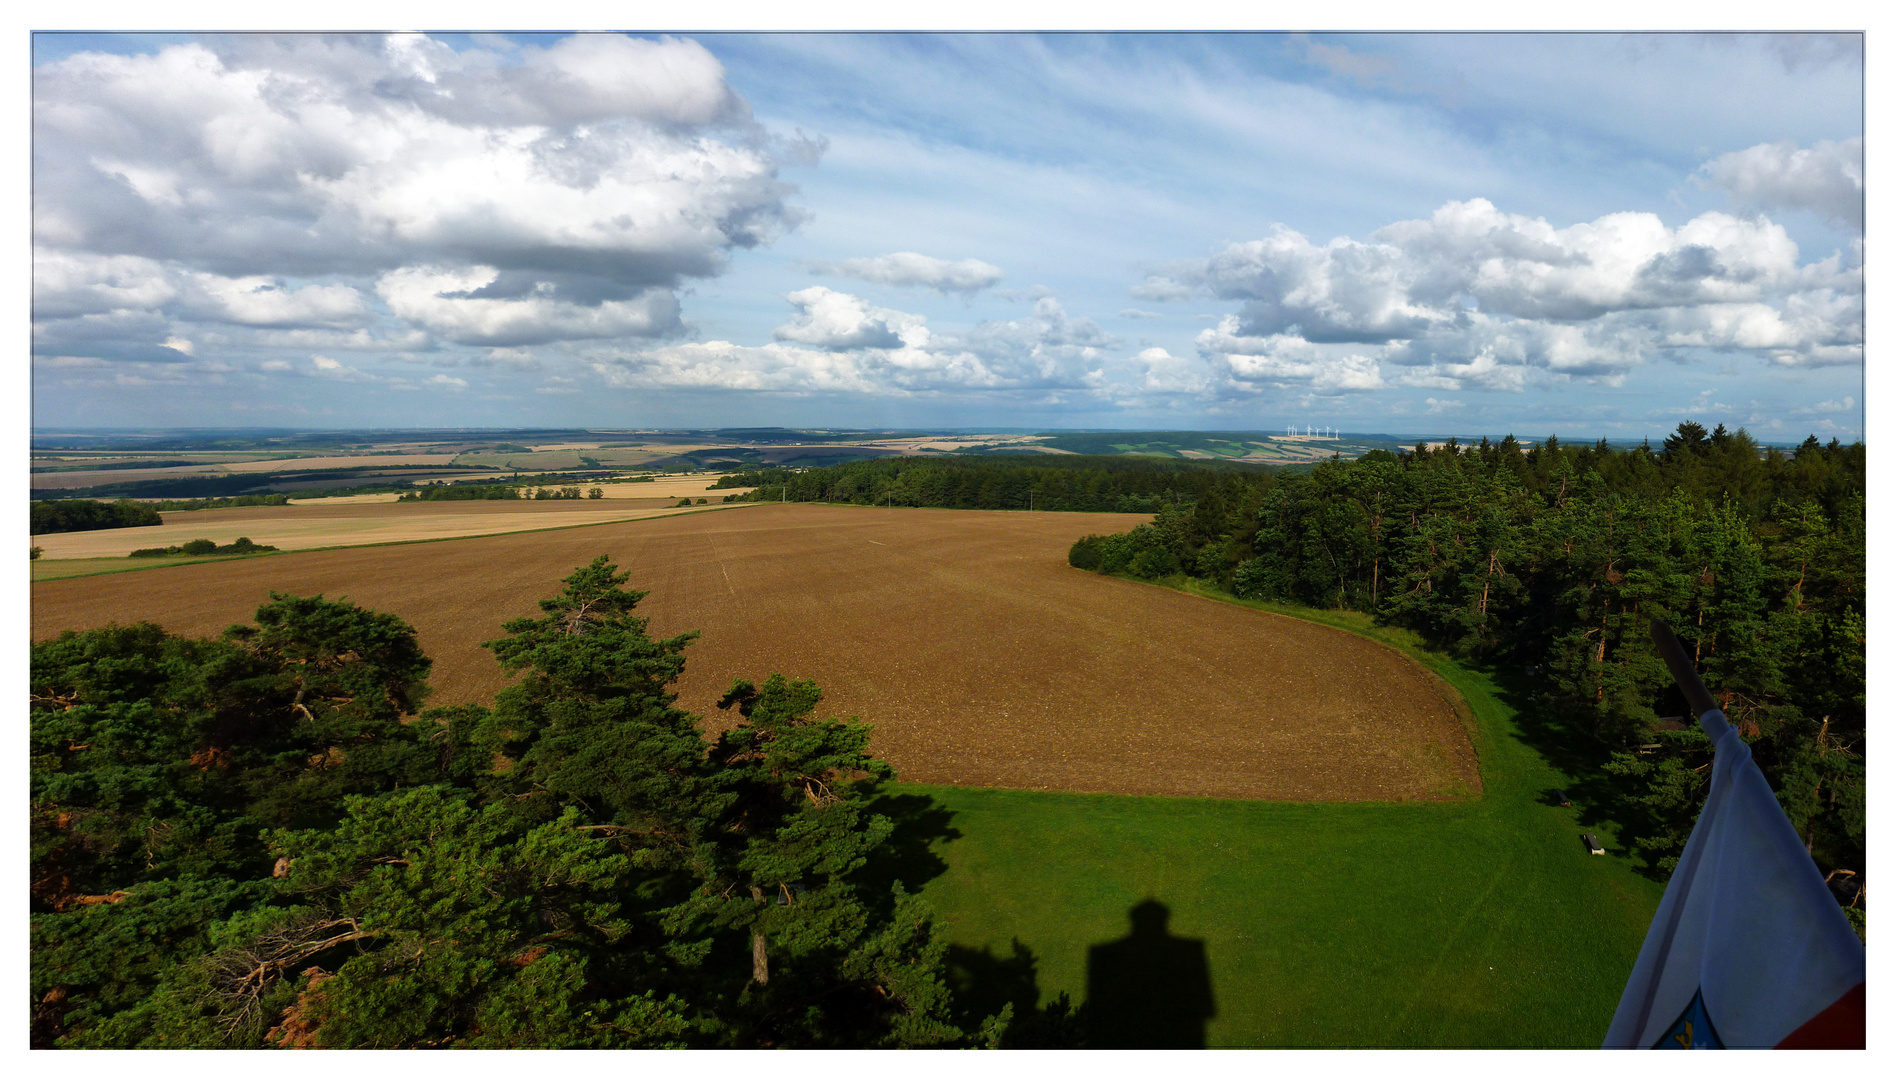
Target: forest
pixel 84 515
pixel 1548 560
pixel 266 839
pixel 1071 482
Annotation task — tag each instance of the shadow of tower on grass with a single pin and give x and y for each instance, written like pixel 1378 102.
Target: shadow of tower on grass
pixel 1148 990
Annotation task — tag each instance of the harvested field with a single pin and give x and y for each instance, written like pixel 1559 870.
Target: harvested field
pixel 230 467
pixel 673 488
pixel 301 526
pixel 668 491
pixel 980 656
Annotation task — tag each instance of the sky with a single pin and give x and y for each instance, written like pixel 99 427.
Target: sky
pixel 1580 234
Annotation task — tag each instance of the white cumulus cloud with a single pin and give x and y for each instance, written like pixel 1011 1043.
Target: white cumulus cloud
pixel 911 269
pixel 836 320
pixel 447 303
pixel 1826 178
pixel 1163 373
pixel 1287 361
pixel 69 283
pixel 836 343
pixel 1473 297
pixel 273 181
pixel 260 301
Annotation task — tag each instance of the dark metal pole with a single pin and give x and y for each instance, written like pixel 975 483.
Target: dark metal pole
pixel 1683 673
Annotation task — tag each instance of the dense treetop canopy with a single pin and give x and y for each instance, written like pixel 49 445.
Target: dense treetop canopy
pixel 262 840
pixel 1546 562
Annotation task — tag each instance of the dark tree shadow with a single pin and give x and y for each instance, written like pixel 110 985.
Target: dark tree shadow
pixel 1599 798
pixel 1148 990
pixel 989 989
pixel 984 984
pixel 910 855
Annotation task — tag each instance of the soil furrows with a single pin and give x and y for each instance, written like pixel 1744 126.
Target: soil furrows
pixel 979 654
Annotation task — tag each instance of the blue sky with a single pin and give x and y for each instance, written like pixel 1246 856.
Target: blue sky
pixel 1585 234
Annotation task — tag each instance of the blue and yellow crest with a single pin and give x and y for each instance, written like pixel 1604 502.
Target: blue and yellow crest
pixel 1692 1030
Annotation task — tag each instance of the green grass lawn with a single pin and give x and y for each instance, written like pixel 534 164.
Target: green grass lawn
pixel 1456 924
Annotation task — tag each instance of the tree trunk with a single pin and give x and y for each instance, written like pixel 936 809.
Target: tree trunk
pixel 760 955
pixel 1599 662
pixel 1493 558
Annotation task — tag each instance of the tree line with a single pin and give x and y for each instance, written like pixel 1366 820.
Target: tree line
pixel 490 492
pixel 1549 560
pixel 1062 482
pixel 85 515
pixel 265 839
pixel 278 499
pixel 243 545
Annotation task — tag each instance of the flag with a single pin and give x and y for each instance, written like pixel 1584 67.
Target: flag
pixel 1748 949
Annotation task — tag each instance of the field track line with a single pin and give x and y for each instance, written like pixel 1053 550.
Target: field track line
pixel 1423 987
pixel 877 543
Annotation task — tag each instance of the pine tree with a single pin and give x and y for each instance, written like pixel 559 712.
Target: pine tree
pixel 254 841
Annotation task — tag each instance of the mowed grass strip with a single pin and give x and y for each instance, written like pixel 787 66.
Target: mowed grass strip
pixel 54 569
pixel 1480 923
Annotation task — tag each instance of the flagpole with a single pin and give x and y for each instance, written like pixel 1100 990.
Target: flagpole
pixel 1747 947
pixel 1683 671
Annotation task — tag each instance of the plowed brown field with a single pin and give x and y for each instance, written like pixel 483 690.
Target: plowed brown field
pixel 979 654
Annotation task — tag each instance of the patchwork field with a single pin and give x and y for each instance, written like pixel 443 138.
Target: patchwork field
pixel 547 460
pixel 669 489
pixel 77 479
pixel 367 519
pixel 982 657
pixel 313 525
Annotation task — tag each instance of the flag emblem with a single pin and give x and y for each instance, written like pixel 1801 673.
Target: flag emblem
pixel 1747 928
pixel 1692 1030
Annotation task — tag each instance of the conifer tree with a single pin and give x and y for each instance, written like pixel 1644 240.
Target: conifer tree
pixel 254 841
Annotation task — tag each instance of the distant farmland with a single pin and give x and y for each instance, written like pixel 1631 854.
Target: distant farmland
pixel 981 656
pixel 357 520
pixel 1251 447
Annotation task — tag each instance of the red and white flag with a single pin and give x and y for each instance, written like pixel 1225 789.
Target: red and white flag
pixel 1748 948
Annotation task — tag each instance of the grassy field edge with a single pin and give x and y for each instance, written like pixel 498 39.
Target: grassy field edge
pixel 1478 922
